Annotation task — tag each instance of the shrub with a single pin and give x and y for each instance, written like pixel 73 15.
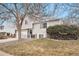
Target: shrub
pixel 63 32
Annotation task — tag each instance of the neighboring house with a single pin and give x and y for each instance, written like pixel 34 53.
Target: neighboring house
pixel 4 32
pixel 36 29
pixel 1 28
pixel 71 22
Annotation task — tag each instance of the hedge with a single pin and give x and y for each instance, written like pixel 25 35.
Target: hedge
pixel 63 32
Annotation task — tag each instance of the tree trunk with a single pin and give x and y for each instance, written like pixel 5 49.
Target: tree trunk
pixel 19 33
pixel 18 25
pixel 18 30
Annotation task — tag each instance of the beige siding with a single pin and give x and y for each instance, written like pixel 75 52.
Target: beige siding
pixel 54 23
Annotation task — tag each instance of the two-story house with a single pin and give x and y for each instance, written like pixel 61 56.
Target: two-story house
pixel 37 29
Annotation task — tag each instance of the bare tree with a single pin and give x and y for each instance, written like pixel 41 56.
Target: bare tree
pixel 73 13
pixel 19 12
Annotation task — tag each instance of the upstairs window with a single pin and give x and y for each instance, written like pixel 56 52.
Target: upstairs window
pixel 43 25
pixel 25 21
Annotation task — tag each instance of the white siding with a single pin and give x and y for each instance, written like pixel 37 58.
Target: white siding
pixel 23 34
pixel 37 30
pixel 29 23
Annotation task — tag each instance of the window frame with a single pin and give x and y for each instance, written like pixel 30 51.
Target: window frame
pixel 43 25
pixel 25 22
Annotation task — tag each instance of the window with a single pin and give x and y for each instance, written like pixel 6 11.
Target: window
pixel 43 25
pixel 1 27
pixel 25 21
pixel 40 35
pixel 33 25
pixel 34 36
pixel 29 33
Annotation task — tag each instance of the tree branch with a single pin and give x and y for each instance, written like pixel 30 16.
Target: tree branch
pixel 8 9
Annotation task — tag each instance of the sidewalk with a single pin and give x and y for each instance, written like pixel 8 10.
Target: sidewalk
pixel 7 40
pixel 4 54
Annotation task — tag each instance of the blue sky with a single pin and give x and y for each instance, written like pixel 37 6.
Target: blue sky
pixel 63 10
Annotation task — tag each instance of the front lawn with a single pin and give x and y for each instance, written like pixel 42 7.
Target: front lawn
pixel 44 48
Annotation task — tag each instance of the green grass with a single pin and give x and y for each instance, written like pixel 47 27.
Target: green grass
pixel 44 48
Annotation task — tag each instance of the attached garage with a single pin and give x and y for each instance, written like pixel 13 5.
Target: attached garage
pixel 25 34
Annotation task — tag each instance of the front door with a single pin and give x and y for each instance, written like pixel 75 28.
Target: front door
pixel 29 33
